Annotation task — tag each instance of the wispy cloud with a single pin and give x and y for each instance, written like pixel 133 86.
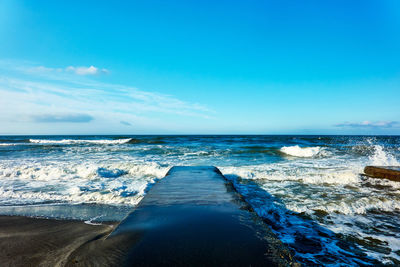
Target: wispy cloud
pixel 53 95
pixel 92 70
pixel 83 71
pixel 56 118
pixel 369 124
pixel 44 69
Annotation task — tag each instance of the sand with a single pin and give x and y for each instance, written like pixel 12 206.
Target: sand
pixel 43 242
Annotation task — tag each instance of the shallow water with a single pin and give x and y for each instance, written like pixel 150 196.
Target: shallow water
pixel 307 188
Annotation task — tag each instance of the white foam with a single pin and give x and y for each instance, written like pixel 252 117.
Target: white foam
pixel 287 171
pixel 84 182
pixel 355 206
pixel 353 225
pixel 8 144
pixel 81 141
pixel 11 197
pixel 303 152
pixel 90 221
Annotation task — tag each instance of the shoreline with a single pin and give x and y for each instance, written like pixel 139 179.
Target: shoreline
pixel 192 217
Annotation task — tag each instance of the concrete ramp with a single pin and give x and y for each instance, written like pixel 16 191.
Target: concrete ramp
pixel 192 217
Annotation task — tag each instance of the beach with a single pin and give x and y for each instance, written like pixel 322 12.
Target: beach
pixel 28 241
pixel 310 191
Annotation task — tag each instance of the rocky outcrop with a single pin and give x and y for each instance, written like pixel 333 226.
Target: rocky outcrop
pixel 390 172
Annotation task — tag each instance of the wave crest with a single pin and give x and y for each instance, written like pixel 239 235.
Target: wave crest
pixel 303 152
pixel 82 141
pixel 34 183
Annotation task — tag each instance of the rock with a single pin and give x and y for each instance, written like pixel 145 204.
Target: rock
pixel 390 172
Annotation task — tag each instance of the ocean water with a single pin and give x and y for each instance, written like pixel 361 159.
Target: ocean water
pixel 308 189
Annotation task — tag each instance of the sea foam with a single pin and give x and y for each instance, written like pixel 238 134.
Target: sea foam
pixel 82 141
pixel 303 152
pixel 67 182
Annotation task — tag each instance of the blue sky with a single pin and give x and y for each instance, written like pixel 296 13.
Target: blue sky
pixel 200 67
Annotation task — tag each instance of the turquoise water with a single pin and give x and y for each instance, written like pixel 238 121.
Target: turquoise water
pixel 307 188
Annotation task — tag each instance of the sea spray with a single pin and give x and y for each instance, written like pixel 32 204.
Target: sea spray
pixel 380 157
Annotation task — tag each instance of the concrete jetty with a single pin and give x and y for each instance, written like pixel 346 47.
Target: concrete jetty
pixel 192 217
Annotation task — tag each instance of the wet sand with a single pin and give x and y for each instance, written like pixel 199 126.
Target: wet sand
pixel 43 242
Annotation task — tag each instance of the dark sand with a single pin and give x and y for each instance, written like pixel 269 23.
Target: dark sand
pixel 42 242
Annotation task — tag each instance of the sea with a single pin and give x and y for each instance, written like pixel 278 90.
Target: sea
pixel 310 190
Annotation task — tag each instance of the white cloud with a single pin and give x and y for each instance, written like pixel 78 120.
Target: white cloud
pixel 92 70
pixel 369 124
pixel 47 95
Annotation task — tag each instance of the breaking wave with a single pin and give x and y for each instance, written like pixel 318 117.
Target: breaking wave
pixel 381 157
pixel 303 152
pixel 82 141
pixel 77 183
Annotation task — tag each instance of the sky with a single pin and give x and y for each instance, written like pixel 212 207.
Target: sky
pixel 200 67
